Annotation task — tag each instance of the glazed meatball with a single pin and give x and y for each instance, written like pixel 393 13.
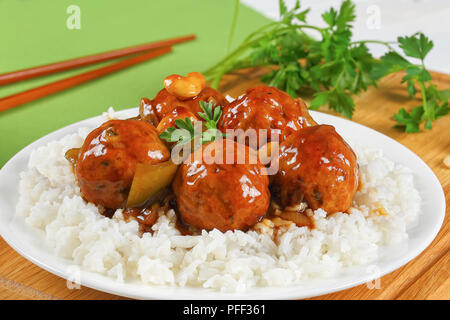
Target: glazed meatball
pixel 267 108
pixel 164 103
pixel 107 160
pixel 228 196
pixel 317 166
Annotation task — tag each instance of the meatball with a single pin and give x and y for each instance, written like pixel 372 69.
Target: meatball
pixel 107 160
pixel 164 103
pixel 317 166
pixel 228 196
pixel 267 108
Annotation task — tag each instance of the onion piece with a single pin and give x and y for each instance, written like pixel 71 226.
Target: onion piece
pixel 72 156
pixel 148 180
pixel 299 218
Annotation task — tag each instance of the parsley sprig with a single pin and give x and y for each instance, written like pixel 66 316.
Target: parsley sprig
pixel 211 116
pixel 332 65
pixel 434 102
pixel 184 132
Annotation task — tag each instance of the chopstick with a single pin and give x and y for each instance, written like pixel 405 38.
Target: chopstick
pixel 54 87
pixel 24 74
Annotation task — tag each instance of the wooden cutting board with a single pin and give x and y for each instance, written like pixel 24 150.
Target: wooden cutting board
pixel 425 277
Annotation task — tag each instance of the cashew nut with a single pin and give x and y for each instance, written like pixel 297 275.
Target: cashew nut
pixel 185 87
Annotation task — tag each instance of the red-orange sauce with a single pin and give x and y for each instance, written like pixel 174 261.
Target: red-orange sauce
pixel 146 217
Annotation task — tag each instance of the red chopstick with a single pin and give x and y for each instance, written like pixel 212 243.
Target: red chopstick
pixel 54 87
pixel 20 75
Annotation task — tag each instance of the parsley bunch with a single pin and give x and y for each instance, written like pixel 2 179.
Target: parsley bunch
pixel 332 65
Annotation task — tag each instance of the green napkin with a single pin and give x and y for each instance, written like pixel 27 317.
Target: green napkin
pixel 36 32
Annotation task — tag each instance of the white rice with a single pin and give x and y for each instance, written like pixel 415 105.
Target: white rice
pixel 50 200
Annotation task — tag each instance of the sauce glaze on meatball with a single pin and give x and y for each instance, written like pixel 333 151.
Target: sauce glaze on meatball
pixel 107 160
pixel 225 196
pixel 267 108
pixel 317 166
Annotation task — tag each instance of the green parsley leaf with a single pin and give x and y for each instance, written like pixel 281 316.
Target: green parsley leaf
pixel 416 46
pixel 330 17
pixel 346 14
pixel 302 15
pixel 211 117
pixel 320 99
pixel 389 63
pixel 410 121
pixel 283 8
pixel 444 95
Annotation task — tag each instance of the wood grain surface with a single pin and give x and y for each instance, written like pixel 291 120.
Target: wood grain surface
pixel 425 277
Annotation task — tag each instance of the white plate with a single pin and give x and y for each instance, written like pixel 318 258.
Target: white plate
pixel 30 243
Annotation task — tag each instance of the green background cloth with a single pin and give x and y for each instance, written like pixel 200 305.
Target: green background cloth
pixel 34 32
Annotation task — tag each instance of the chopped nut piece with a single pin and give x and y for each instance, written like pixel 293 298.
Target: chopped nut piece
pixel 447 161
